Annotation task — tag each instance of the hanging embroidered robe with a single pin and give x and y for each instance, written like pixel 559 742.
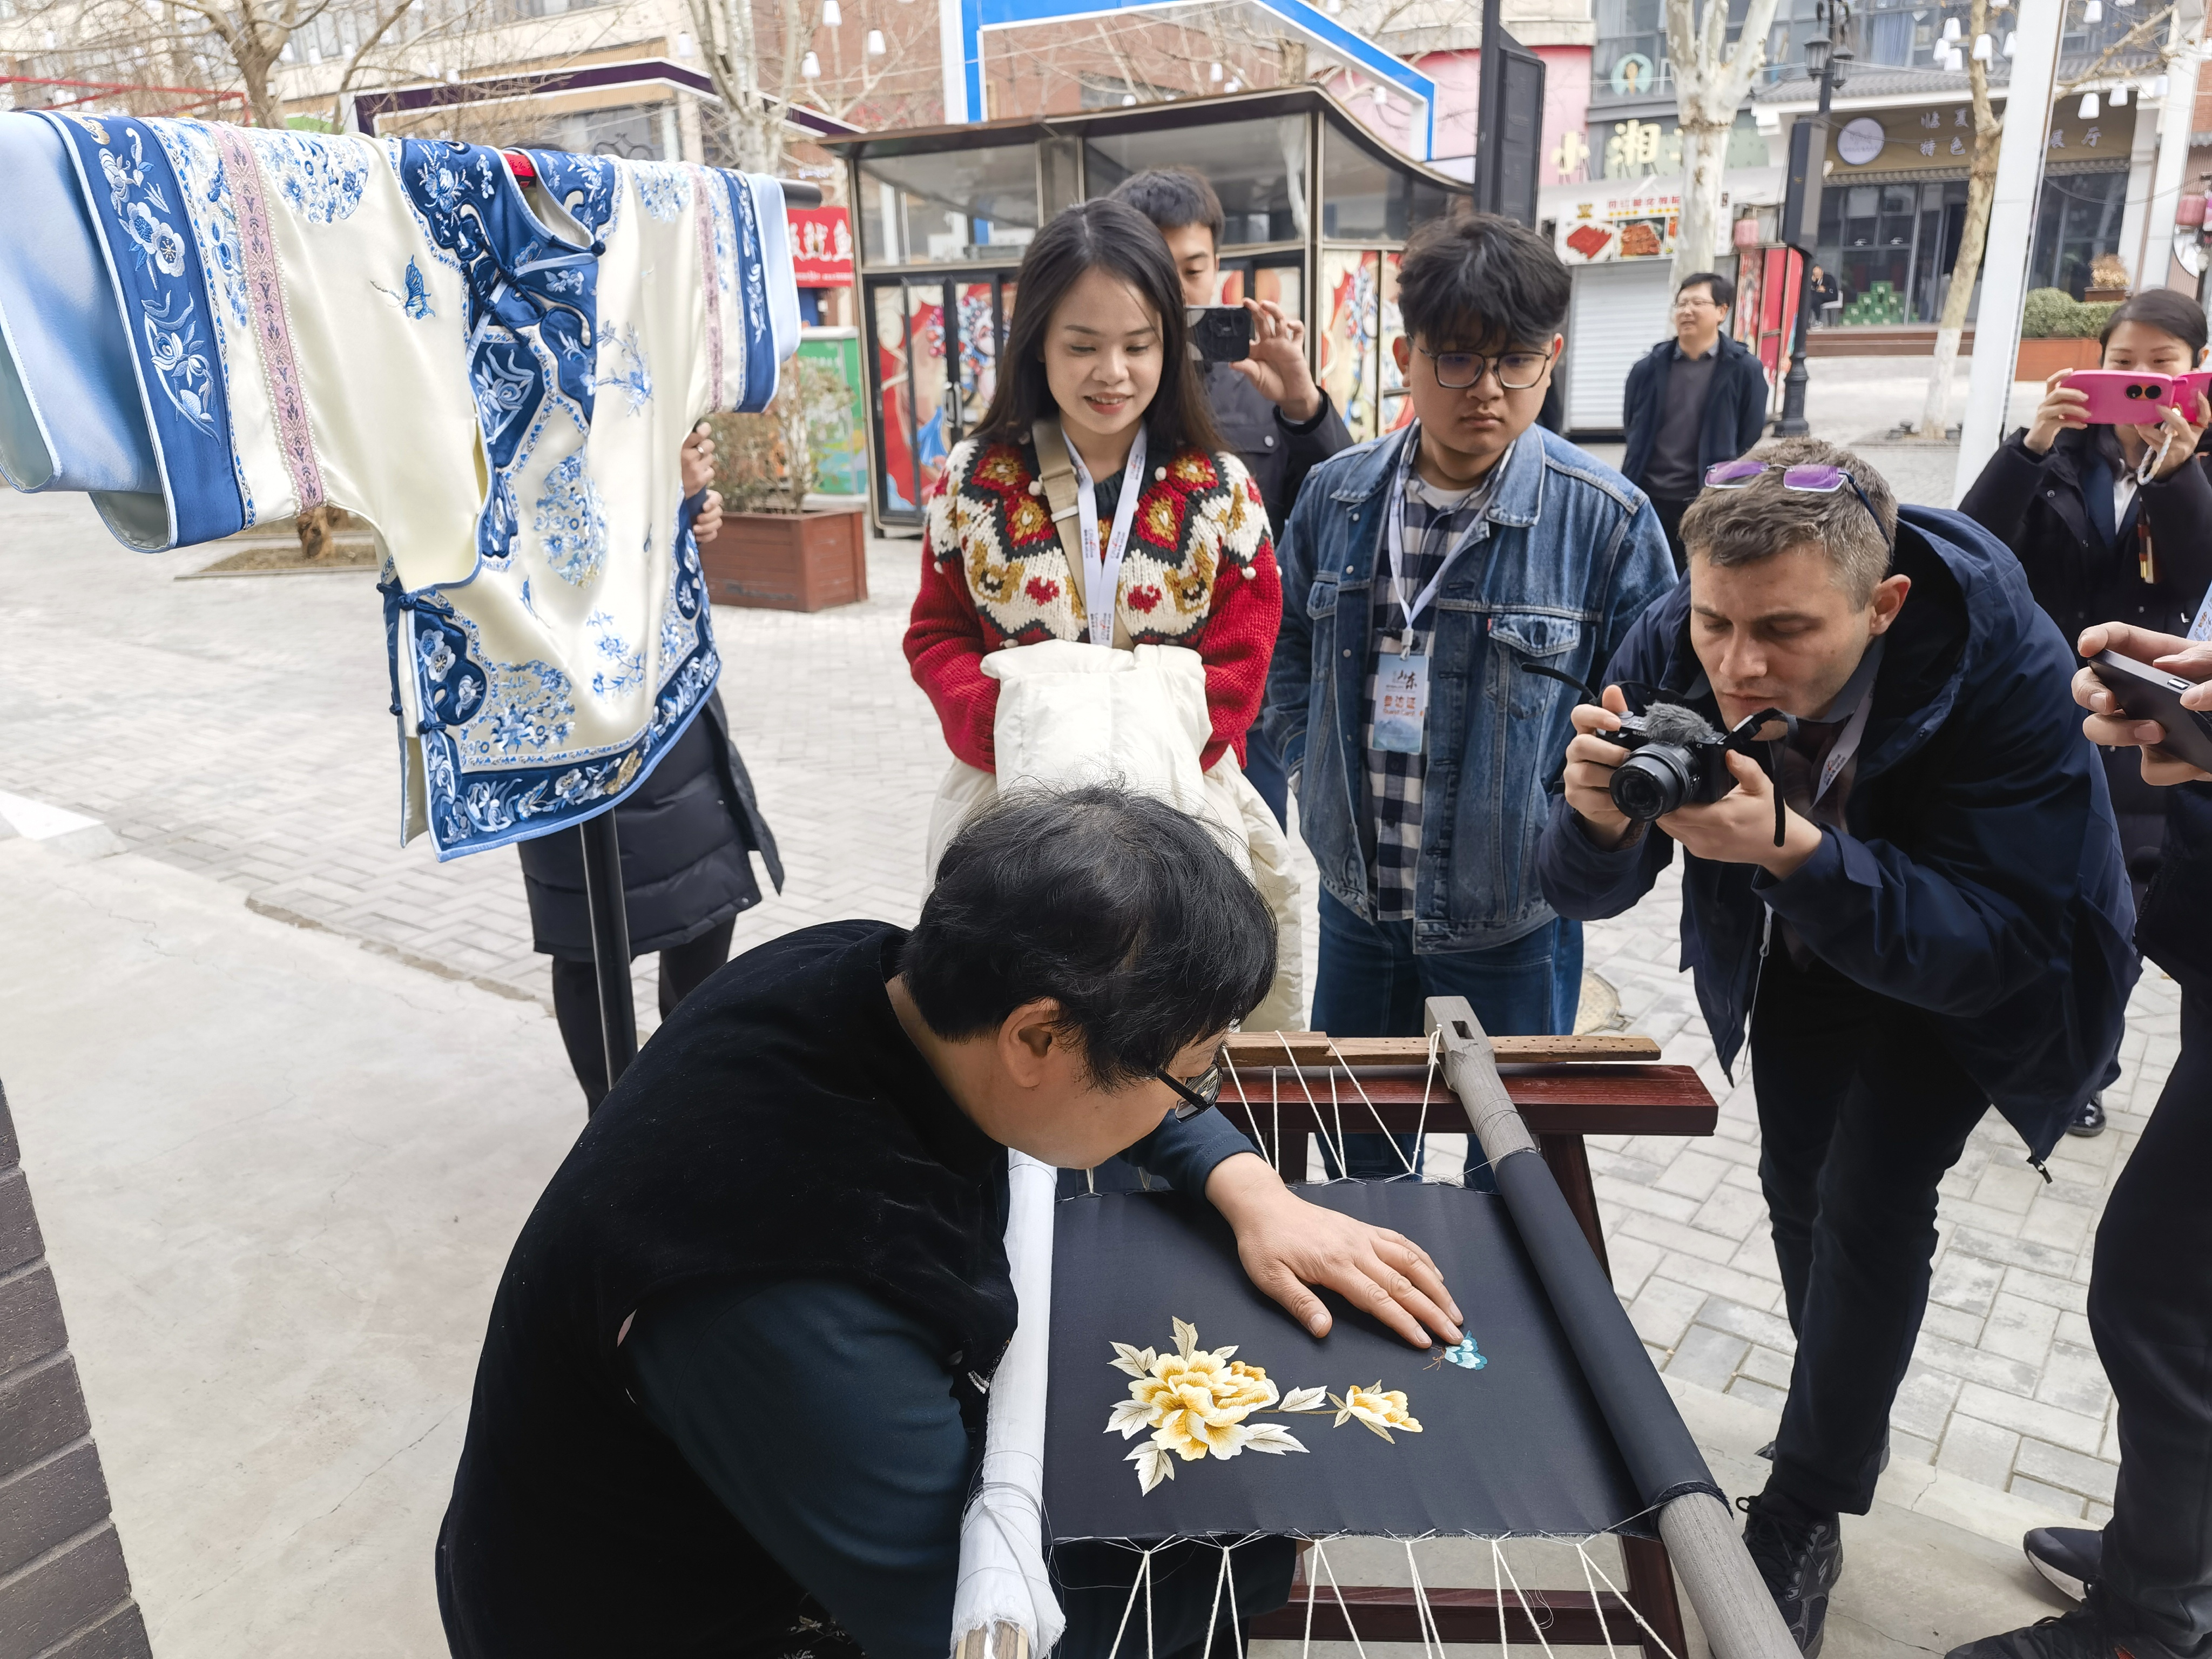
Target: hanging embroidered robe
pixel 497 381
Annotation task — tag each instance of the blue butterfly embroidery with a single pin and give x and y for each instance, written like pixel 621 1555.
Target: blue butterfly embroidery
pixel 417 301
pixel 1465 1355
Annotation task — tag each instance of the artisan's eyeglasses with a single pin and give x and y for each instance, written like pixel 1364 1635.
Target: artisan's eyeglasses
pixel 1199 1094
pixel 1516 370
pixel 1811 480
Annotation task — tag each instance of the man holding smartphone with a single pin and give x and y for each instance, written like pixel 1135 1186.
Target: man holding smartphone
pixel 1266 406
pixel 2148 1574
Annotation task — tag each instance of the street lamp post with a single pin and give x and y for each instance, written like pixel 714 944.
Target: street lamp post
pixel 1825 57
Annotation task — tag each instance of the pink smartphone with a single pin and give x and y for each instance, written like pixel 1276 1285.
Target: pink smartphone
pixel 2127 397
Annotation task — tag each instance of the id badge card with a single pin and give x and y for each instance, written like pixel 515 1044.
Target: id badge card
pixel 1402 700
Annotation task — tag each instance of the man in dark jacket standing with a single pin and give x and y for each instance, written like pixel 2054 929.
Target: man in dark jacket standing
pixel 1696 400
pixel 1268 409
pixel 1938 922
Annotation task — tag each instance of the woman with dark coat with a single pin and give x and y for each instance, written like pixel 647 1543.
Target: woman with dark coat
pixel 2100 545
pixel 687 835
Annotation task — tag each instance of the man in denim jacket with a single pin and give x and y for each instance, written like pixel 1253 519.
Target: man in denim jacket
pixel 1510 547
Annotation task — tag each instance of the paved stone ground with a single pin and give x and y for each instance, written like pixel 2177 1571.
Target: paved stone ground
pixel 236 727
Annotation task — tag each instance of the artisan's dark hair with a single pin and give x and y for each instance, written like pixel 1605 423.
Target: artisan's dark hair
pixel 1723 291
pixel 1741 527
pixel 1172 197
pixel 2165 310
pixel 1480 281
pixel 1114 237
pixel 1125 911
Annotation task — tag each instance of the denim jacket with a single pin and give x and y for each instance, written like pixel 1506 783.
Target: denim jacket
pixel 1566 557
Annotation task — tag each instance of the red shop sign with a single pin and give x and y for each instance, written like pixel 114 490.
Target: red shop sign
pixel 821 246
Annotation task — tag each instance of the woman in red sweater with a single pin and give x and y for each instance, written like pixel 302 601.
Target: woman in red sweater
pixel 1097 360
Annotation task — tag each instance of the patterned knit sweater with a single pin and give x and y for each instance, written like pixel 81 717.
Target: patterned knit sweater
pixel 1200 572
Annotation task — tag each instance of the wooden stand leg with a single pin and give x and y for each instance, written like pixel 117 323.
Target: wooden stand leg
pixel 1651 1593
pixel 1570 1162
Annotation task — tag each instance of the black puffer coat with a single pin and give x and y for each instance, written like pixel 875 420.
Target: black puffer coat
pixel 688 834
pixel 2083 567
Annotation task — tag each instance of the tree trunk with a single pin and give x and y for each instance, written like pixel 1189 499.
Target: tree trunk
pixel 1704 155
pixel 1981 187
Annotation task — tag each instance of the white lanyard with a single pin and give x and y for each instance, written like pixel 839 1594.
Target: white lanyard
pixel 1861 683
pixel 1393 531
pixel 1102 567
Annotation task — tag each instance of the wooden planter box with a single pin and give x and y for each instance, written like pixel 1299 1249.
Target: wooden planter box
pixel 2039 360
pixel 788 561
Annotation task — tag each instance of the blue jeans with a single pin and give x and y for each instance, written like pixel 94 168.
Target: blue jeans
pixel 1372 984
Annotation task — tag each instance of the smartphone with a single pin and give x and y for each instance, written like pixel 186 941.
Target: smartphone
pixel 2127 397
pixel 1220 334
pixel 2151 694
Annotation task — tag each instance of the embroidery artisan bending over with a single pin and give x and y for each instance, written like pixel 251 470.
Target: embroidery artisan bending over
pixel 731 1398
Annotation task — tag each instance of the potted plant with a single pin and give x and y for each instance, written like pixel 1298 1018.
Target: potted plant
pixel 774 552
pixel 2056 332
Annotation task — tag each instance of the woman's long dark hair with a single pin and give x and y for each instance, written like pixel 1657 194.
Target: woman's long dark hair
pixel 1113 237
pixel 2168 313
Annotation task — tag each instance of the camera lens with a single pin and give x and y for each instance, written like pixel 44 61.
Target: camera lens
pixel 2135 391
pixel 1653 782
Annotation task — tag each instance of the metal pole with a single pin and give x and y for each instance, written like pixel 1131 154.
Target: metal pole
pixel 1738 1615
pixel 602 893
pixel 1490 112
pixel 2013 210
pixel 1793 423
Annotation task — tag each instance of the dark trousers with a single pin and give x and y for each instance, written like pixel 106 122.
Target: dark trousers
pixel 2150 1313
pixel 684 968
pixel 1670 520
pixel 1860 1113
pixel 1370 984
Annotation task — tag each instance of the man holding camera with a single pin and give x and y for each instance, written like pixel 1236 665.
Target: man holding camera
pixel 1934 919
pixel 1266 405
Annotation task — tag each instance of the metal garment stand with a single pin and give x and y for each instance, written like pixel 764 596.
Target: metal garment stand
pixel 603 893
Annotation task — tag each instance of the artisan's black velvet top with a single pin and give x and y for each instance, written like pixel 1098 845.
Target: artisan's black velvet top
pixel 780 1126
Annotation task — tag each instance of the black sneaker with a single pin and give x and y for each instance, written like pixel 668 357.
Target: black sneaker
pixel 2068 1556
pixel 2080 1634
pixel 2090 1119
pixel 1800 1562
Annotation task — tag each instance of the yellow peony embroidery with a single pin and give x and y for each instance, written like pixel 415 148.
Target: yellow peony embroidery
pixel 1195 1402
pixel 1379 1410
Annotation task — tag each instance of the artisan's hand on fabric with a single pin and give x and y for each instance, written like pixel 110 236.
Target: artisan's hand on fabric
pixel 1288 1245
pixel 698 457
pixel 2109 727
pixel 708 524
pixel 1739 827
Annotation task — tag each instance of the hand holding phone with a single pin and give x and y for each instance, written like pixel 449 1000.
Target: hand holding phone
pixel 2129 397
pixel 1220 334
pixel 2123 694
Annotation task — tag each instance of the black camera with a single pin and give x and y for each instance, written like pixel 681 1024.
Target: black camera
pixel 1679 760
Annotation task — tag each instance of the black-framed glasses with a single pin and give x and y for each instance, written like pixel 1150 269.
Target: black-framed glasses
pixel 1516 371
pixel 1199 1094
pixel 1811 480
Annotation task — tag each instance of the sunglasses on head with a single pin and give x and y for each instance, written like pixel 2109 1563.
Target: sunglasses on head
pixel 1810 480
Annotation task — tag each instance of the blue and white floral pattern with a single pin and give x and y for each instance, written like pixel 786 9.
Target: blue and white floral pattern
pixel 632 374
pixel 531 709
pixel 664 188
pixel 572 522
pixel 628 665
pixel 321 177
pixel 180 364
pixel 587 187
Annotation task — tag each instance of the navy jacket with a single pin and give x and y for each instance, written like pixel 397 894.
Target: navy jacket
pixel 1980 879
pixel 1735 409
